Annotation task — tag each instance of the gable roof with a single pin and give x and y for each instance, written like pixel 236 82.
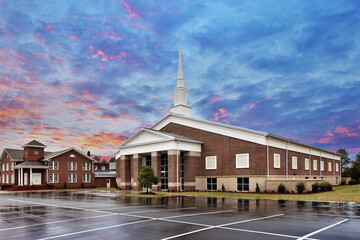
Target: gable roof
pixel 17 154
pixel 163 136
pixel 229 128
pixel 34 143
pixel 55 154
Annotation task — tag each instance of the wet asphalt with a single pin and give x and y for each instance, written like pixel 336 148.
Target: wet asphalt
pixel 107 215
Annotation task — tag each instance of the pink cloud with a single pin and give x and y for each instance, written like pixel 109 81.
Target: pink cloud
pixel 327 137
pixel 221 113
pixel 216 98
pixel 345 131
pixel 130 9
pixel 253 104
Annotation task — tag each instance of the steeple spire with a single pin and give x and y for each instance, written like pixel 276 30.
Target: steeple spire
pixel 180 92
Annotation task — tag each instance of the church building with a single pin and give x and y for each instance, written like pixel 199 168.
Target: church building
pixel 193 154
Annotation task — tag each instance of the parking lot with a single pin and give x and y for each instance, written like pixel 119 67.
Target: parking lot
pixel 107 215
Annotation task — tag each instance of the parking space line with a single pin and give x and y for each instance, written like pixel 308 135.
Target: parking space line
pixel 162 210
pixel 95 229
pixel 198 214
pixel 60 221
pixel 323 229
pixel 184 222
pixel 222 226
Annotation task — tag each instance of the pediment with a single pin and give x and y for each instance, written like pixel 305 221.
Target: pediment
pixel 146 137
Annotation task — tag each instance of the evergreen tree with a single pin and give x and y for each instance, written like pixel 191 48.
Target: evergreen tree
pixel 345 160
pixel 147 178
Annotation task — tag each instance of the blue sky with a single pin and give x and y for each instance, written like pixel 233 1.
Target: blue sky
pixel 89 74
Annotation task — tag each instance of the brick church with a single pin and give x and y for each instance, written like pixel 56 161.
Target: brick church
pixel 32 166
pixel 193 154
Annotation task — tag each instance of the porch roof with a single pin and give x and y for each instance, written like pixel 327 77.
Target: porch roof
pixel 31 164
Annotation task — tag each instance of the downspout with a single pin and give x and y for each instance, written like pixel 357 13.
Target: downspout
pixel 334 168
pixel 320 164
pixel 310 165
pixel 177 166
pixel 267 158
pixel 287 161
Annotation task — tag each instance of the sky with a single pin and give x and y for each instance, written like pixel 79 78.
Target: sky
pixel 89 74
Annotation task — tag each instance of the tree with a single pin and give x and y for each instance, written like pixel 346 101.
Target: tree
pixel 345 160
pixel 147 177
pixel 112 159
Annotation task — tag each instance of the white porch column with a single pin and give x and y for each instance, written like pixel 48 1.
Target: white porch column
pixel 19 179
pixel 31 176
pixel 22 176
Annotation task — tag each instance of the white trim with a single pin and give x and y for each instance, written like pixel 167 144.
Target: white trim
pixel 294 164
pixel 209 158
pixel 72 177
pixel 277 157
pixel 53 178
pixel 322 166
pixel 315 164
pixel 307 164
pixel 238 161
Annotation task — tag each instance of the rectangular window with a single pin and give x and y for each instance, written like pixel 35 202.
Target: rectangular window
pixel 329 166
pixel 242 160
pixel 276 160
pixel 86 178
pixel 103 167
pixel 294 162
pixel 337 167
pixel 315 165
pixel 72 177
pixel 212 184
pixel 86 166
pixel 146 161
pixel 72 166
pixel 210 162
pixel 7 166
pixel 53 178
pixel 243 184
pixel 307 167
pixel 7 178
pixel 322 166
pixel 12 178
pixel 54 165
pixel 95 168
pixel 3 178
pixel 12 165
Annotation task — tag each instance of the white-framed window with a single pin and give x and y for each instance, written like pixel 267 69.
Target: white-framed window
pixel 86 178
pixel 242 160
pixel 7 166
pixel 72 165
pixel 12 166
pixel 307 164
pixel 3 178
pixel 54 165
pixel 294 162
pixel 53 178
pixel 102 168
pixel 276 160
pixel 7 178
pixel 210 162
pixel 72 178
pixel 322 166
pixel 315 165
pixel 12 178
pixel 95 168
pixel 329 166
pixel 72 155
pixel 86 166
pixel 337 167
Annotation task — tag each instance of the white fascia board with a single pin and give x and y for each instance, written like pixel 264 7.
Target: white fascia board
pixel 222 129
pixel 148 136
pixel 158 147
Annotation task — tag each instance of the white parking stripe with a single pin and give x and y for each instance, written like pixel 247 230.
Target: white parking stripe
pixel 198 214
pixel 250 220
pixel 188 233
pixel 95 229
pixel 61 221
pixel 162 210
pixel 323 229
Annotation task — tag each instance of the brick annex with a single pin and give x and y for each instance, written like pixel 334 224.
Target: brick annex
pixel 33 166
pixel 193 154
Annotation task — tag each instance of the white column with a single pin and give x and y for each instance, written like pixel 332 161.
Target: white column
pixel 19 180
pixel 31 176
pixel 22 176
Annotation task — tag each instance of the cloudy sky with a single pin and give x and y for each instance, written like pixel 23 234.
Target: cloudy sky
pixel 89 74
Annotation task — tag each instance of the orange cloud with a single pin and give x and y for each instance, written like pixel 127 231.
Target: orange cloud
pixel 345 131
pixel 221 113
pixel 216 98
pixel 131 12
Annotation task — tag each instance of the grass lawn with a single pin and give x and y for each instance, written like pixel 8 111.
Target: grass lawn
pixel 347 193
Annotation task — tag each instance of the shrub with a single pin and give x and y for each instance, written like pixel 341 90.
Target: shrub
pixel 315 187
pixel 323 186
pixel 281 188
pixel 300 187
pixel 82 185
pixel 329 186
pixel 343 183
pixel 65 185
pixel 353 182
pixel 223 188
pixel 257 187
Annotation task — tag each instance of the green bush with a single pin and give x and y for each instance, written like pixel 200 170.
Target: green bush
pixel 281 188
pixel 315 187
pixel 257 188
pixel 323 186
pixel 353 182
pixel 300 187
pixel 223 188
pixel 329 186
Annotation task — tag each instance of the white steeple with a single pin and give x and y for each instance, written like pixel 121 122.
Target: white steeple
pixel 180 92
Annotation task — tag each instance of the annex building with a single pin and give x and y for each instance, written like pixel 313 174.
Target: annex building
pixel 194 154
pixel 33 166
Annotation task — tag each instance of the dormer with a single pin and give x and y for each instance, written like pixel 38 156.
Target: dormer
pixel 34 151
